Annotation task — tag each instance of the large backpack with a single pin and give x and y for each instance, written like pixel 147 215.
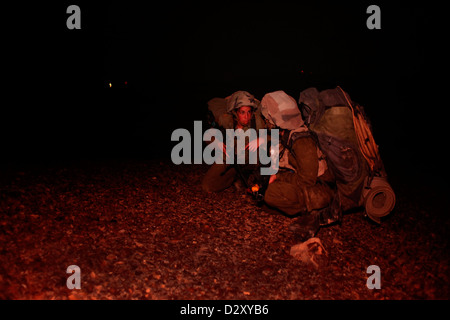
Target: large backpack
pixel 343 133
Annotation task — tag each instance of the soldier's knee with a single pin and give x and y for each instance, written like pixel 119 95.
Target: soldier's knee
pixel 278 197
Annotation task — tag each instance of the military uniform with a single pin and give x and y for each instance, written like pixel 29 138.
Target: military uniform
pixel 220 176
pixel 304 184
pixel 305 187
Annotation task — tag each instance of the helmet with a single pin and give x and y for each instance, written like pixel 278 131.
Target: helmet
pixel 282 110
pixel 241 99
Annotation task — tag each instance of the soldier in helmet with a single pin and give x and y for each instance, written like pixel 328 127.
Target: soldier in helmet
pixel 300 188
pixel 242 112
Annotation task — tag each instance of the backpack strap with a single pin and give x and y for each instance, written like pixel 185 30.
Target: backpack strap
pixel 297 135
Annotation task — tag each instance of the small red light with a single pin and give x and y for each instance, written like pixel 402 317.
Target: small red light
pixel 126 82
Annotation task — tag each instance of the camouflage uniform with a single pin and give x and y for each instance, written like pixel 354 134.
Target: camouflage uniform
pixel 302 190
pixel 306 187
pixel 219 176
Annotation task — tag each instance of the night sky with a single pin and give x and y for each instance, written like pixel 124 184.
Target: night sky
pixel 175 56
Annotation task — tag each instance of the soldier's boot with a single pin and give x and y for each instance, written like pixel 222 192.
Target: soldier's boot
pixel 306 226
pixel 332 213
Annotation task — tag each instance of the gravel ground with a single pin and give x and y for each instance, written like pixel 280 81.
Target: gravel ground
pixel 145 230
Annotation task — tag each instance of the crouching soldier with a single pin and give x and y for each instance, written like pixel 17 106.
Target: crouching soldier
pixel 239 111
pixel 303 185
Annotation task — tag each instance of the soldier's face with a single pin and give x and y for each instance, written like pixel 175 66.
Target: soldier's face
pixel 244 116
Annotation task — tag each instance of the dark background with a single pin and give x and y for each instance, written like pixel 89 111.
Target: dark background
pixel 175 56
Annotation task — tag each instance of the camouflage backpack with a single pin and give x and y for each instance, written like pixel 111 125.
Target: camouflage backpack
pixel 343 133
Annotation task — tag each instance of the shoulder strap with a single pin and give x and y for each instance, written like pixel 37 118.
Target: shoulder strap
pixel 297 135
